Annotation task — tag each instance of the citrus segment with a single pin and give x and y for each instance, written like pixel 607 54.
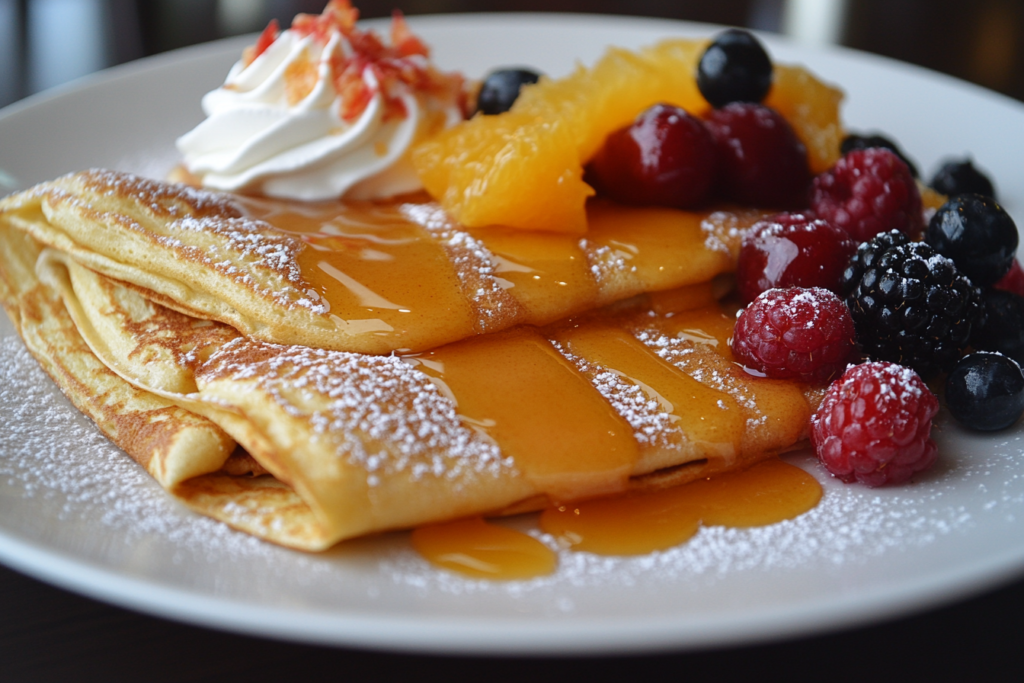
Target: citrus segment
pixel 812 108
pixel 524 168
pixel 513 169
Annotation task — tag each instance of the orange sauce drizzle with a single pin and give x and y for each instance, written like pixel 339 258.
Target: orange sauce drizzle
pixel 769 492
pixel 517 389
pixel 377 272
pixel 547 273
pixel 380 273
pixel 483 550
pixel 708 418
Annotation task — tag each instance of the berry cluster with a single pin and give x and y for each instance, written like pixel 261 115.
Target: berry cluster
pixel 741 151
pixel 815 300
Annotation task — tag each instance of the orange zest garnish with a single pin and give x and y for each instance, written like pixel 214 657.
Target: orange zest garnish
pixel 339 15
pixel 265 40
pixel 299 79
pixel 395 67
pixel 403 39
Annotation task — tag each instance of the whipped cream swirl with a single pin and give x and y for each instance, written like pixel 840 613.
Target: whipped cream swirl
pixel 321 111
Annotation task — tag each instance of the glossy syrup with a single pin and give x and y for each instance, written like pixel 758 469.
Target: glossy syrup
pixel 385 274
pixel 515 388
pixel 771 491
pixel 484 550
pixel 767 493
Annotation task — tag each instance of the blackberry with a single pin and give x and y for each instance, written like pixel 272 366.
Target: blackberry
pixel 867 256
pixel 501 89
pixel 911 305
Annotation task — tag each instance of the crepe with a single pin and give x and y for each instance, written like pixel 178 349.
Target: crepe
pixel 333 444
pixel 362 278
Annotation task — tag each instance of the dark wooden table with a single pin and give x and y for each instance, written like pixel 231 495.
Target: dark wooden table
pixel 47 634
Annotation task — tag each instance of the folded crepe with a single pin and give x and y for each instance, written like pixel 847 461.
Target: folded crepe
pixel 362 277
pixel 198 332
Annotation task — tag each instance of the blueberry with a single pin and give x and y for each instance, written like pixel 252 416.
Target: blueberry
pixel 961 177
pixel 734 68
pixel 501 88
pixel 985 391
pixel 854 141
pixel 1002 326
pixel 977 234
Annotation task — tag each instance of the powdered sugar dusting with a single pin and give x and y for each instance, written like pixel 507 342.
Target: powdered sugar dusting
pixel 724 231
pixel 64 486
pixel 650 422
pixel 704 365
pixel 474 266
pixel 246 249
pixel 52 453
pixel 379 412
pixel 202 227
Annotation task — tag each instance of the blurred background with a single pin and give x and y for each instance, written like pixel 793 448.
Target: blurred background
pixel 44 43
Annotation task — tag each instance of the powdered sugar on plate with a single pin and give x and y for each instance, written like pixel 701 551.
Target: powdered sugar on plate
pixel 63 486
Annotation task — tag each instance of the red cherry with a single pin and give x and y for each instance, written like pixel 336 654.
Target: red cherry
pixel 666 157
pixel 792 250
pixel 762 161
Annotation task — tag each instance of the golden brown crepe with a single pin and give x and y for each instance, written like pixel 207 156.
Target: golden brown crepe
pixel 361 277
pixel 143 302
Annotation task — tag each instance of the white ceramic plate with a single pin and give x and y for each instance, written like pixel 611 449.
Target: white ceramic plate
pixel 75 511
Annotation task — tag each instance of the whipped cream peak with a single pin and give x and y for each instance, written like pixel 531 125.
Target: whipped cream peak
pixel 323 110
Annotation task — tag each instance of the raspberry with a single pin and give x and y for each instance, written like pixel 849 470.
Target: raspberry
pixel 855 141
pixel 792 250
pixel 762 163
pixel 1013 281
pixel 869 191
pixel 874 425
pixel 795 333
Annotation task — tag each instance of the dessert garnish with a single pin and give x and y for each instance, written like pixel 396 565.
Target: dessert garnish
pixel 985 391
pixel 855 141
pixel 500 89
pixel 792 250
pixel 1002 324
pixel 1013 281
pixel 795 333
pixel 524 168
pixel 762 161
pixel 734 68
pixel 874 425
pixel 666 157
pixel 869 191
pixel 910 305
pixel 323 110
pixel 977 234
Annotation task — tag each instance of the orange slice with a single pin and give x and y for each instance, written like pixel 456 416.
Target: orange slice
pixel 524 168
